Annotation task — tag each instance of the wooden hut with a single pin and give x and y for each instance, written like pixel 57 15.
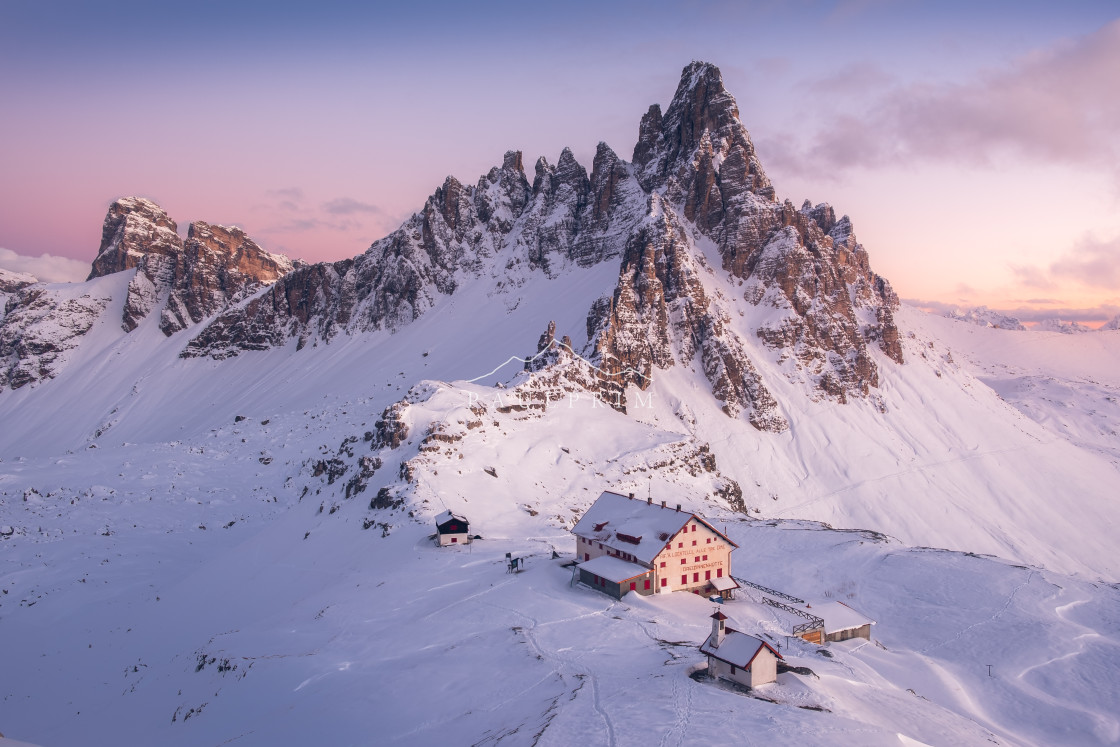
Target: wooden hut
pixel 452 529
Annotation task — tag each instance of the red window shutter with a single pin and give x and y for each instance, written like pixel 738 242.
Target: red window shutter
pixel 719 573
pixel 664 582
pixel 586 557
pixel 647 585
pixel 684 578
pixel 454 539
pixel 709 541
pixel 707 575
pixel 694 527
pixel 633 586
pixel 695 577
pixel 662 563
pixel 683 561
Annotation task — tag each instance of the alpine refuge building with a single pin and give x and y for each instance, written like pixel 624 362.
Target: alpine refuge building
pixel 739 657
pixel 452 529
pixel 623 544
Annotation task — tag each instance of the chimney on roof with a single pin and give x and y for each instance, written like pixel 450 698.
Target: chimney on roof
pixel 678 508
pixel 662 504
pixel 631 496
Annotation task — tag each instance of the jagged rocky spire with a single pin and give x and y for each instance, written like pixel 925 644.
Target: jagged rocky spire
pixel 695 177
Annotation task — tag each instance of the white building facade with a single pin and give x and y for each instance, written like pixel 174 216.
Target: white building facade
pixel 663 549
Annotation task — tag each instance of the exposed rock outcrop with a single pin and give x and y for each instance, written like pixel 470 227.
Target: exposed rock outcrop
pixel 190 279
pixel 660 315
pixel 805 262
pixel 194 279
pixel 40 328
pixel 11 282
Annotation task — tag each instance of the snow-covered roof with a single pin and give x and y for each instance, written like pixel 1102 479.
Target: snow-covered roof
pixel 838 616
pixel 645 526
pixel 724 583
pixel 737 648
pixel 447 516
pixel 613 569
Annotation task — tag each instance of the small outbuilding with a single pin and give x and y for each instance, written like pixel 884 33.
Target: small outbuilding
pixel 615 576
pixel 738 657
pixel 841 622
pixel 452 529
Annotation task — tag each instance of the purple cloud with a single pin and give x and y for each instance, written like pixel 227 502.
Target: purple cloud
pixel 1093 263
pixel 348 206
pixel 1058 105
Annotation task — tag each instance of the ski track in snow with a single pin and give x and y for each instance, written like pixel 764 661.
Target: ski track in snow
pixel 959 634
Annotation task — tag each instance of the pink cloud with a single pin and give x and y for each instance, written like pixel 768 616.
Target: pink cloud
pixel 1058 105
pixel 1093 263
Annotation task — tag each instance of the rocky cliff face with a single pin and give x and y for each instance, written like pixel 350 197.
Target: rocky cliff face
pixel 660 314
pixel 189 281
pixel 804 262
pixel 193 279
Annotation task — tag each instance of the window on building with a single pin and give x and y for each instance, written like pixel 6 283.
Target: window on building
pixel 662 563
pixel 697 559
pixel 680 544
pixel 694 543
pixel 707 575
pixel 633 586
pixel 696 577
pixel 664 582
pixel 694 527
pixel 732 669
pixel 705 557
pixel 647 585
pixel 684 578
pixel 708 541
pixel 586 557
pixel 454 539
pixel 683 560
pixel 719 573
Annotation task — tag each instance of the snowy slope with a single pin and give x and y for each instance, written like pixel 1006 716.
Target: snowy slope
pixel 284 621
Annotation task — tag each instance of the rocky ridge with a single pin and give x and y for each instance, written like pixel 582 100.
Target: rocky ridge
pixel 564 218
pixel 982 316
pixel 695 176
pixel 695 180
pixel 189 281
pixel 40 327
pixel 194 278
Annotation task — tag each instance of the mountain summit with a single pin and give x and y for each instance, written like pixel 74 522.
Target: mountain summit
pixel 695 181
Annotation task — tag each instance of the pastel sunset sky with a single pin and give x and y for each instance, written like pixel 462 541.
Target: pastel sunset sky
pixel 976 146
